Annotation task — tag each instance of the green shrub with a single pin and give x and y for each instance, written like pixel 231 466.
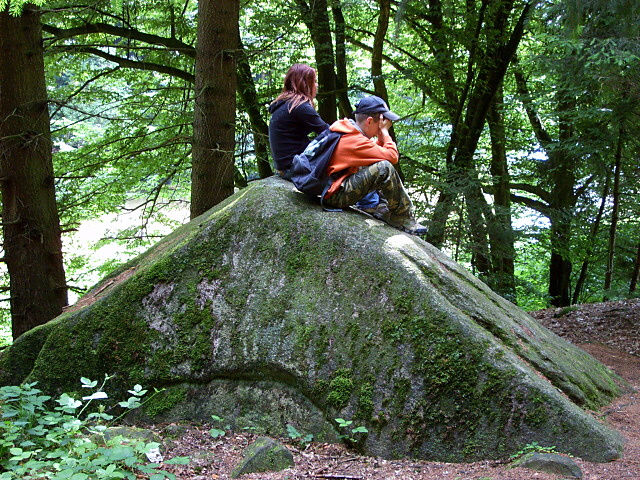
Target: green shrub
pixel 37 442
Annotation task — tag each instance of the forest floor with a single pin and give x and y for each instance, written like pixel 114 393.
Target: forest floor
pixel 609 331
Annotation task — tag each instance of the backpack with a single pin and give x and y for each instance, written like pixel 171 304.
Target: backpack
pixel 309 169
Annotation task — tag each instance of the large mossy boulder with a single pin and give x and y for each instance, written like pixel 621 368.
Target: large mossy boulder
pixel 268 311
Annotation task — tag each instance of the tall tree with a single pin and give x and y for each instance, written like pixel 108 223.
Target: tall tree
pixel 558 192
pixel 377 60
pixel 249 103
pixel 31 227
pixel 380 87
pixel 342 82
pixel 591 242
pixel 491 49
pixel 501 236
pixel 615 213
pixel 316 17
pixel 215 104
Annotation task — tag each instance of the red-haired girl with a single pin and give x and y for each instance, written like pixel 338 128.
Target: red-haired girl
pixel 294 117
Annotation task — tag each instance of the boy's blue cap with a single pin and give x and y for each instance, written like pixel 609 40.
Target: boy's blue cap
pixel 375 104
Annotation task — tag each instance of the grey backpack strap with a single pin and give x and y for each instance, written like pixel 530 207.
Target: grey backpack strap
pixel 326 189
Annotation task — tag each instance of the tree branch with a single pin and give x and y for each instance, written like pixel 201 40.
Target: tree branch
pixel 423 87
pixel 534 189
pixel 579 191
pixel 95 77
pixel 123 62
pixel 533 204
pixel 129 33
pixel 534 119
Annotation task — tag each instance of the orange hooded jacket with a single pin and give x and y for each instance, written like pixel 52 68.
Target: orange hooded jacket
pixel 355 150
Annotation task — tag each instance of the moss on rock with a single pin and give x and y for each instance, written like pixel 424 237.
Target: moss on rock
pixel 267 310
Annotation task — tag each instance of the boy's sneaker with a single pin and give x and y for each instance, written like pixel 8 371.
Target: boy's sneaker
pixel 415 229
pixel 379 211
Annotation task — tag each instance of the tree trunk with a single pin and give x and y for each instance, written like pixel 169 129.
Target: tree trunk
pixel 562 202
pixel 316 17
pixel 379 84
pixel 593 236
pixel 561 218
pixel 615 215
pixel 342 83
pixel 215 104
pixel 377 54
pixel 636 272
pixel 500 229
pixel 560 266
pixel 561 172
pixel 249 103
pixel 31 226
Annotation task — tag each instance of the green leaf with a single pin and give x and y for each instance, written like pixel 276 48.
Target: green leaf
pixel 131 403
pixel 17 457
pixel 16 6
pixel 67 403
pixel 79 476
pixel 73 424
pixel 67 473
pixel 103 416
pixel 56 454
pixel 178 461
pixel 137 391
pixel 157 476
pixel 96 396
pixel 293 432
pixel 86 383
pixel 9 412
pixel 343 423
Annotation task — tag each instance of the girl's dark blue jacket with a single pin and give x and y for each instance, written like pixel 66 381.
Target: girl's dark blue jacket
pixel 289 131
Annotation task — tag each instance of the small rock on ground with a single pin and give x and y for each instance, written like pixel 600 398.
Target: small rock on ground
pixel 263 455
pixel 550 463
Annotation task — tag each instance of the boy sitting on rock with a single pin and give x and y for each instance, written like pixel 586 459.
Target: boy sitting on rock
pixel 362 165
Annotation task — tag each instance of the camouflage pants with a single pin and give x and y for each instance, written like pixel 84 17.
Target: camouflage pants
pixel 379 176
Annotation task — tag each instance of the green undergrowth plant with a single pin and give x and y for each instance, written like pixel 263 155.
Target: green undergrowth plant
pixel 216 432
pixel 300 439
pixel 532 447
pixel 67 439
pixel 345 425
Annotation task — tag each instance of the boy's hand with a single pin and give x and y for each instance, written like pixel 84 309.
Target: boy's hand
pixel 385 125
